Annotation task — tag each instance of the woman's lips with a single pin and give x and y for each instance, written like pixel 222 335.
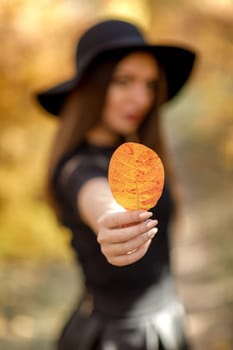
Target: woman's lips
pixel 133 117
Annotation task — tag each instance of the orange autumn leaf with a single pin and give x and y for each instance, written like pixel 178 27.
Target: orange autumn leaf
pixel 136 176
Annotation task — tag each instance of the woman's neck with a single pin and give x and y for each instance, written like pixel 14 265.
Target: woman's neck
pixel 102 137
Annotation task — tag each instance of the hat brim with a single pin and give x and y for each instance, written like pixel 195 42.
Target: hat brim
pixel 177 63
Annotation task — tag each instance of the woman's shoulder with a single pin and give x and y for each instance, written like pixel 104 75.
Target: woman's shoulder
pixel 70 162
pixel 85 161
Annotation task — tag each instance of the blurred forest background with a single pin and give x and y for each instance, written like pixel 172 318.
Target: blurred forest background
pixel 39 283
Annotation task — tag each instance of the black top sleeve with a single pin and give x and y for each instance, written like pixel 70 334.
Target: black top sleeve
pixel 71 175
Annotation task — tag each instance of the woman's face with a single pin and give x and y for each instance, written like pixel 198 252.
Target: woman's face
pixel 131 93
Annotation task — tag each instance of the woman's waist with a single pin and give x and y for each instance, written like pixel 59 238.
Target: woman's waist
pixel 133 303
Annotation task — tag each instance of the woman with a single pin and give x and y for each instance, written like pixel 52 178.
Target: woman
pixel 129 300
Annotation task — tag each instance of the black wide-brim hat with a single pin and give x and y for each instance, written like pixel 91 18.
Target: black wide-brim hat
pixel 110 35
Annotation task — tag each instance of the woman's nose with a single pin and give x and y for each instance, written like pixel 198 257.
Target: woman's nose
pixel 142 96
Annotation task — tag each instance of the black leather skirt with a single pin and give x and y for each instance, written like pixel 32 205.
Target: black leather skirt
pixel 155 321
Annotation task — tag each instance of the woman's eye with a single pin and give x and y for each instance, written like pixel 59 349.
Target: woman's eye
pixel 153 85
pixel 120 81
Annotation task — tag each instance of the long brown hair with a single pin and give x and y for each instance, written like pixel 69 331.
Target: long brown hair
pixel 83 107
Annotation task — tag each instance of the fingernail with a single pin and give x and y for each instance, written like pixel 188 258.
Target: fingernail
pixel 152 232
pixel 151 223
pixel 145 215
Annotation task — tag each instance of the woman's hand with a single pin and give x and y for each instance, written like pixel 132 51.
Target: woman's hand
pixel 125 237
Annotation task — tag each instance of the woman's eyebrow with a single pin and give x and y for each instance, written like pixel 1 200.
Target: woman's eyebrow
pixel 122 72
pixel 154 81
pixel 131 74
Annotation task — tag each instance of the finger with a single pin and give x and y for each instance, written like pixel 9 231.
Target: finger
pixel 119 235
pixel 119 219
pixel 116 249
pixel 128 259
pixel 131 232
